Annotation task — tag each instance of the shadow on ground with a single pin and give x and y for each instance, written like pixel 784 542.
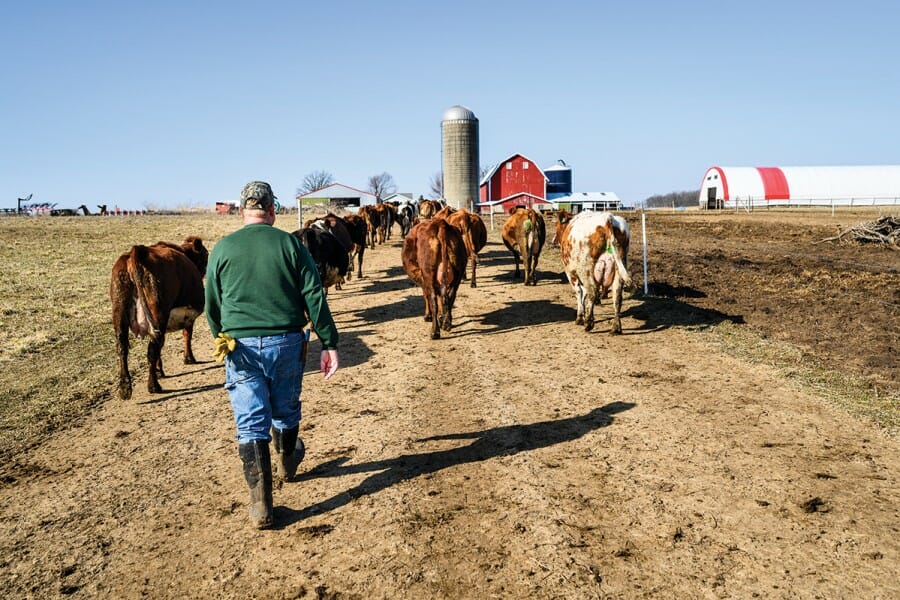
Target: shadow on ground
pixel 491 443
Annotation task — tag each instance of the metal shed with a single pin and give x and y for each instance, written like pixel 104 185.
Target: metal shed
pixel 750 187
pixel 337 194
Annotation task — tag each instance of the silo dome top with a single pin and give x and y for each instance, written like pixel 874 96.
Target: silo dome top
pixel 459 113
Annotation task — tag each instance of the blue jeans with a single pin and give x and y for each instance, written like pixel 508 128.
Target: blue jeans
pixel 264 377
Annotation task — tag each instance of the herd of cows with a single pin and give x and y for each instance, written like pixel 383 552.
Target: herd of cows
pixel 158 289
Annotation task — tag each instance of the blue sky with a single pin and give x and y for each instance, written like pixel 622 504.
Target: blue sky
pixel 180 103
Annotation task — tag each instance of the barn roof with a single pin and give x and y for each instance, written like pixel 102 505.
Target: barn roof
pixel 510 197
pixel 585 197
pixel 837 183
pixel 337 190
pixel 494 168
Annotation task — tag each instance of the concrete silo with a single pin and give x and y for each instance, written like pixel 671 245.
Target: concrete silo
pixel 459 157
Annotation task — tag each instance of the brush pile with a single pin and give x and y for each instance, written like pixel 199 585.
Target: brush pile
pixel 884 231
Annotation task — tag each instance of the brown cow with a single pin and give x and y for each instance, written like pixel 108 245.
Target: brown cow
pixel 523 234
pixel 562 221
pixel 474 233
pixel 434 256
pixel 154 290
pixel 358 230
pixel 373 222
pixel 427 208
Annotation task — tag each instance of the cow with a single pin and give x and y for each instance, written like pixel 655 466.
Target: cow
pixel 358 230
pixel 562 221
pixel 434 257
pixel 472 229
pixel 373 222
pixel 331 258
pixel 406 214
pixel 523 234
pixel 594 251
pixel 390 217
pixel 427 208
pixel 155 290
pixel 337 227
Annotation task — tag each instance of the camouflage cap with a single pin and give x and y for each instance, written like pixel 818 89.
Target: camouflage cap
pixel 257 195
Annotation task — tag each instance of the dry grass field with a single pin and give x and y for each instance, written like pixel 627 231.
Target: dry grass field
pixel 739 440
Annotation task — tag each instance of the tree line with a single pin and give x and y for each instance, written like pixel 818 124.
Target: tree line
pixel 676 199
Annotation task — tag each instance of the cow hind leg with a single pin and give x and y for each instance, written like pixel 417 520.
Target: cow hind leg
pixel 154 363
pixel 187 333
pixel 590 299
pixel 124 375
pixel 617 305
pixel 447 311
pixel 579 305
pixel 428 316
pixel 435 327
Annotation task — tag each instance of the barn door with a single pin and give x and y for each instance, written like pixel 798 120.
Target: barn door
pixel 711 198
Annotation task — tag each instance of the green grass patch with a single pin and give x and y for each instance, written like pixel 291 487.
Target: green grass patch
pixel 855 396
pixel 57 359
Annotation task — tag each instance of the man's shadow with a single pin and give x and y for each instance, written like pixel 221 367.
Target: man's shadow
pixel 491 443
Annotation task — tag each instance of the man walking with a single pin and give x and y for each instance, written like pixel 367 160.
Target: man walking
pixel 261 283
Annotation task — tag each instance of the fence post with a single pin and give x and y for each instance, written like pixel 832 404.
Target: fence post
pixel 644 240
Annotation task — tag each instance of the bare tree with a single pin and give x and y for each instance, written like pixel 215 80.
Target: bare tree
pixel 315 181
pixel 436 185
pixel 382 185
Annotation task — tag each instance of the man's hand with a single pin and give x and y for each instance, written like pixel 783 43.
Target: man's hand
pixel 329 362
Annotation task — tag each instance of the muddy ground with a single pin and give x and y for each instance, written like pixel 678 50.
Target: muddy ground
pixel 517 457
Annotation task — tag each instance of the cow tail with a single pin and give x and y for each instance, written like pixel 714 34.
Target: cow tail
pixel 613 248
pixel 144 285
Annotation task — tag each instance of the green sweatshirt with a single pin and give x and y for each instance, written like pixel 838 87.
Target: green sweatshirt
pixel 262 281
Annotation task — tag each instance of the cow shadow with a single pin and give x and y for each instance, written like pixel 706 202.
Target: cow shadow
pixel 662 312
pixel 157 399
pixel 376 286
pixel 411 306
pixel 494 255
pixel 507 440
pixel 520 315
pixel 395 272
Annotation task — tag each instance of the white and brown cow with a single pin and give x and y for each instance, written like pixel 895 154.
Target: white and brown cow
pixel 594 251
pixel 154 290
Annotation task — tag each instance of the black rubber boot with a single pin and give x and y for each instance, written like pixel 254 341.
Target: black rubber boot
pixel 258 473
pixel 289 450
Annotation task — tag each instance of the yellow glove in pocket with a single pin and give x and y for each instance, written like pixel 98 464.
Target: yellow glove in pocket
pixel 224 344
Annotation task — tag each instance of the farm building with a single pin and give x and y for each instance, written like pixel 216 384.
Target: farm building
pixel 399 197
pixel 337 195
pixel 748 187
pixel 579 201
pixel 505 205
pixel 559 180
pixel 512 182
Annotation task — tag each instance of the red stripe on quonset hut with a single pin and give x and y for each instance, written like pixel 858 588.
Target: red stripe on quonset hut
pixel 724 183
pixel 774 183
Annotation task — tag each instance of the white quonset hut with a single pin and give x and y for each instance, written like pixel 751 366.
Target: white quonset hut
pixel 746 187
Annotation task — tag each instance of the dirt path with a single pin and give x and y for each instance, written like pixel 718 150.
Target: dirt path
pixel 517 457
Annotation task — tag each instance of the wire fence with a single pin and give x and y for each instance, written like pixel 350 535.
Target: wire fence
pixel 648 251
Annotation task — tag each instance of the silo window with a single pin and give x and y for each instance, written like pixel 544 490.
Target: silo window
pixel 509 166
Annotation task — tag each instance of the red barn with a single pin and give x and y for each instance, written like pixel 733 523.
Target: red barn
pixel 512 182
